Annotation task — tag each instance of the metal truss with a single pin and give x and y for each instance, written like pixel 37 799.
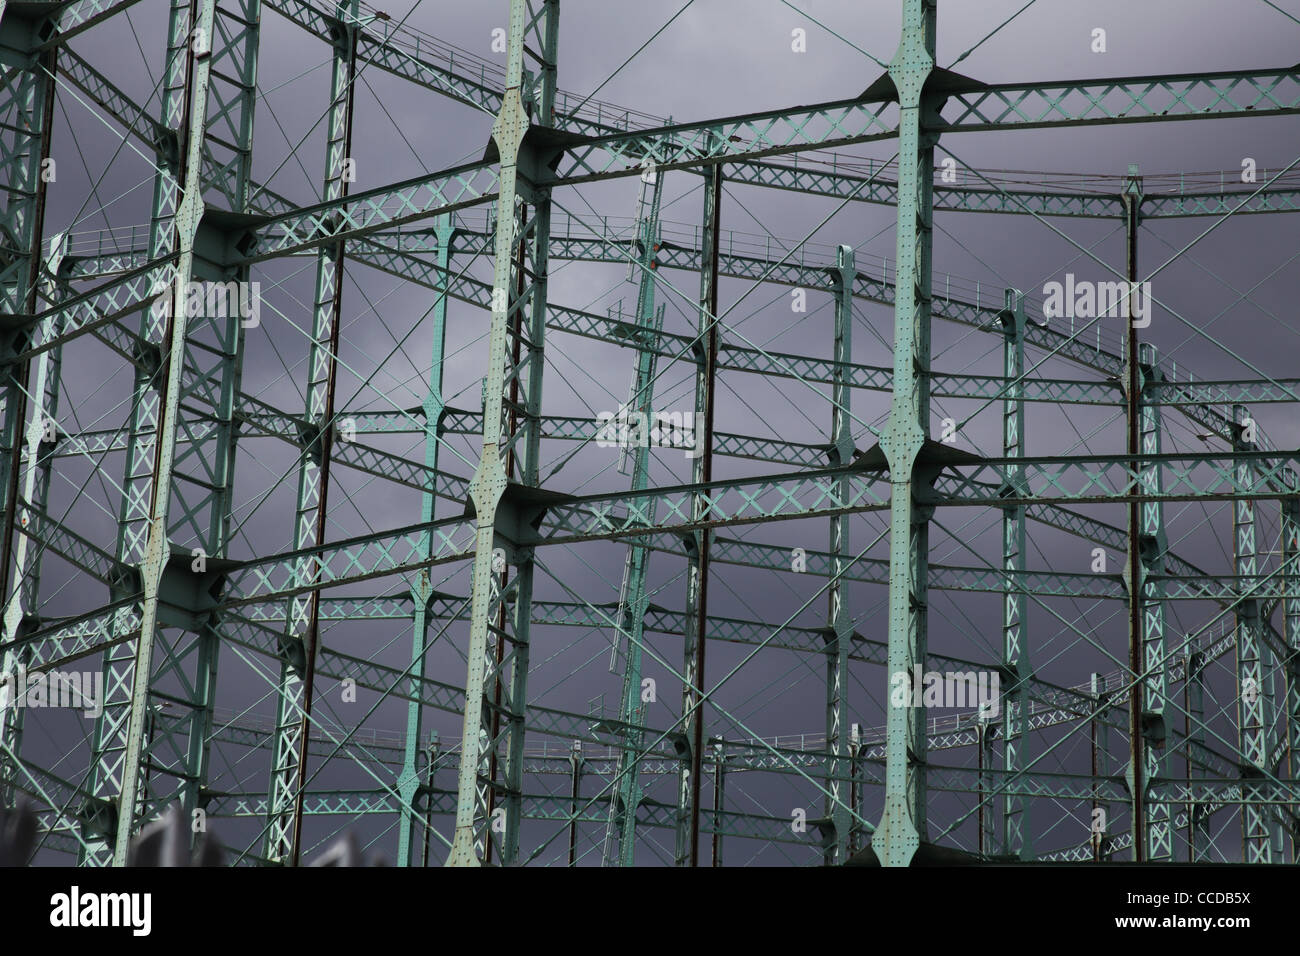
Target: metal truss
pixel 408 588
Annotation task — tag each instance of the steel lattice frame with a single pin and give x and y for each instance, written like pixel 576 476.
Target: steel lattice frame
pixel 181 594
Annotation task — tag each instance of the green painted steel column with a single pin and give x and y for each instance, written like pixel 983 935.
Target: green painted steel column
pixel 98 815
pixel 839 635
pixel 524 382
pixel 686 844
pixel 1151 591
pixel 1252 718
pixel 27 98
pixel 719 749
pixel 301 642
pixel 26 120
pixel 1017 837
pixel 158 546
pixel 902 825
pixel 431 770
pixel 575 798
pixel 205 460
pixel 1099 740
pixel 857 787
pixel 1133 576
pixel 221 359
pixel 490 479
pixel 201 458
pixel 496 679
pixel 40 440
pixel 1198 814
pixel 620 839
pixel 1290 534
pixel 408 781
pixel 985 828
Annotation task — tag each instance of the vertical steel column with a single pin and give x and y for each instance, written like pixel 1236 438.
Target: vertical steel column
pixel 984 825
pixel 719 795
pixel 1198 814
pixel 855 786
pixel 203 471
pixel 903 825
pixel 41 439
pixel 1132 201
pixel 697 542
pixel 158 546
pixel 301 639
pixel 575 792
pixel 1017 837
pixel 428 802
pixel 1251 716
pixel 26 110
pixel 839 634
pixel 408 781
pixel 1151 590
pixel 1290 507
pixel 133 517
pixel 514 368
pixel 26 128
pixel 200 459
pixel 1099 744
pixel 620 839
pixel 525 378
pixel 141 449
